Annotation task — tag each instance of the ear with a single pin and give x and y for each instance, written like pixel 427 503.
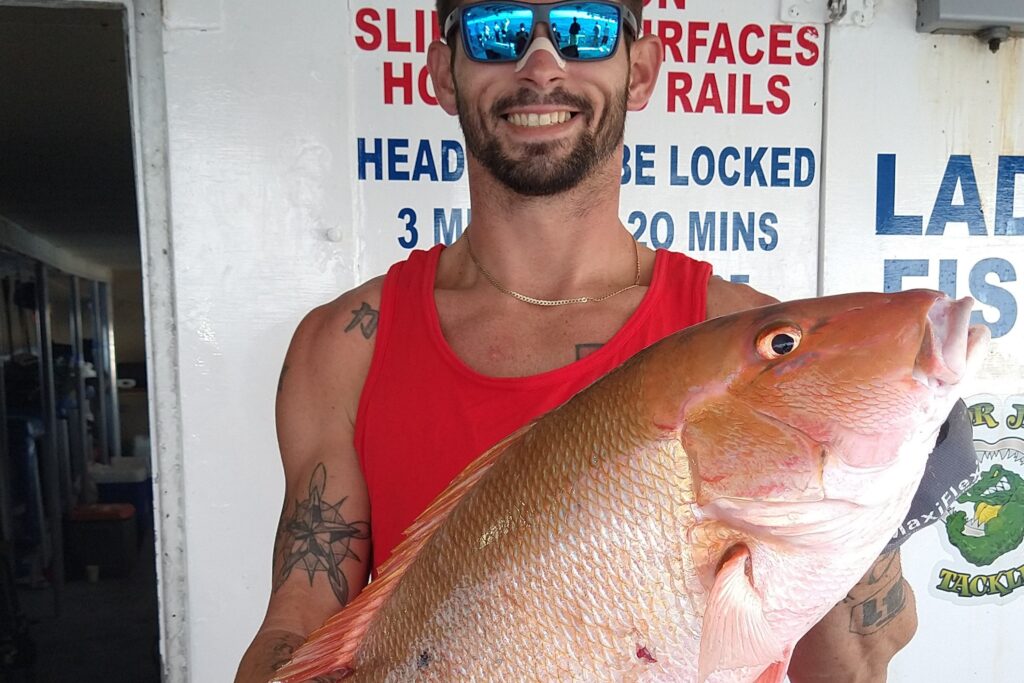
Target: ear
pixel 439 64
pixel 645 57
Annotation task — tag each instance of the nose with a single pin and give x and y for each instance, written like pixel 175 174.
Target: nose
pixel 540 64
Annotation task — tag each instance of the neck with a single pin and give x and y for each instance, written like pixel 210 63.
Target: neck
pixel 555 247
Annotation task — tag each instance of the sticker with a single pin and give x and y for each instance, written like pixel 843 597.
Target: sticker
pixel 982 533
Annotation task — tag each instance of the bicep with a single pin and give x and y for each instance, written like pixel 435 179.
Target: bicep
pixel 322 545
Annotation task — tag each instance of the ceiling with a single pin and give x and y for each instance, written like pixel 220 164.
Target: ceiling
pixel 66 171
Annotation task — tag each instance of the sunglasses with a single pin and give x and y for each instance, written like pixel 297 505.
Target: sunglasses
pixel 501 31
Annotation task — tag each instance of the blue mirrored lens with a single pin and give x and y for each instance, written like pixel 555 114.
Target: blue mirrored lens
pixel 497 31
pixel 501 32
pixel 588 30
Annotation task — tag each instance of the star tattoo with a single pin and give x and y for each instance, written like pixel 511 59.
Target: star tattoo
pixel 317 538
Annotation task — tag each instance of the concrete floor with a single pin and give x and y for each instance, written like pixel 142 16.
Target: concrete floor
pixel 107 631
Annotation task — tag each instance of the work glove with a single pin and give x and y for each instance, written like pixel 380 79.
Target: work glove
pixel 951 461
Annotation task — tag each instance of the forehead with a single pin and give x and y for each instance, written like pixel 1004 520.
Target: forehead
pixel 514 8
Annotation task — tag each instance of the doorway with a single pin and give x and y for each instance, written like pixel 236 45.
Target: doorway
pixel 76 507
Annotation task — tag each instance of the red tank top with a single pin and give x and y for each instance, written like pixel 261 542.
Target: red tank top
pixel 424 414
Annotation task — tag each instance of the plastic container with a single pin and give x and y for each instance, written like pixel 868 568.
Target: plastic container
pixel 126 480
pixel 101 536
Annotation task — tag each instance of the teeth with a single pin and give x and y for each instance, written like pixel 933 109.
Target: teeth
pixel 1003 485
pixel 534 120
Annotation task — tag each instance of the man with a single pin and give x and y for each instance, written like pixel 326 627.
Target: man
pixel 521 39
pixel 574 32
pixel 395 386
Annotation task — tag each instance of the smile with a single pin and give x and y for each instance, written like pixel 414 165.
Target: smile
pixel 536 120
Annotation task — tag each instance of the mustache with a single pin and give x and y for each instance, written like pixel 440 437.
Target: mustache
pixel 526 97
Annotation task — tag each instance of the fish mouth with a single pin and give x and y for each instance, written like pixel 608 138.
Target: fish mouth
pixel 950 343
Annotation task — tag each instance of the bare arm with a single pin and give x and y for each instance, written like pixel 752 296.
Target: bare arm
pixel 322 547
pixel 855 641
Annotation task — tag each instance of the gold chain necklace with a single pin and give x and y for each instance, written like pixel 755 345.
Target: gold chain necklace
pixel 552 302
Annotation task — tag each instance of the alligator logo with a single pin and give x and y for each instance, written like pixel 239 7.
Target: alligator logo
pixel 982 530
pixel 997 525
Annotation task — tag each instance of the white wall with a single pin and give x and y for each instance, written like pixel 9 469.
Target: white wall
pixel 941 107
pixel 266 103
pixel 256 98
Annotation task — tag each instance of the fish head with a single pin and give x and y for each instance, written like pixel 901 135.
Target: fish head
pixel 801 401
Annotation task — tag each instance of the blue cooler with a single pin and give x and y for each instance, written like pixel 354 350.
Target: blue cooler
pixel 126 480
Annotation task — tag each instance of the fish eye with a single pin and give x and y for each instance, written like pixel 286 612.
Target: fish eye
pixel 778 341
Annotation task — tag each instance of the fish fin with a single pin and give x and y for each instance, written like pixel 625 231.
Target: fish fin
pixel 776 673
pixel 334 645
pixel 735 632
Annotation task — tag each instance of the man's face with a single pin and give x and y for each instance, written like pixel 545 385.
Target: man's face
pixel 542 129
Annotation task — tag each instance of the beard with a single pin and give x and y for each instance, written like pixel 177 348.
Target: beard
pixel 539 169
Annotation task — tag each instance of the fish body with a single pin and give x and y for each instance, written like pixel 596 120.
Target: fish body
pixel 688 517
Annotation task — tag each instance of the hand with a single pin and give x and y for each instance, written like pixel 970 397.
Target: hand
pixel 855 641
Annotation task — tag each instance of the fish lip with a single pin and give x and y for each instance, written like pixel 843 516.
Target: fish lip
pixel 978 338
pixel 949 343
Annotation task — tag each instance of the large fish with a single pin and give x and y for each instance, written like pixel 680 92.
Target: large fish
pixel 688 517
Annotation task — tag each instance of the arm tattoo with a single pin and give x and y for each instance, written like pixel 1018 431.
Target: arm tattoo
pixel 317 537
pixel 282 649
pixel 880 569
pixel 365 318
pixel 883 605
pixel 584 350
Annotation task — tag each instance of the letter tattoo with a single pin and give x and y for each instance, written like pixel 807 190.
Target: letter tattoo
pixel 887 600
pixel 365 318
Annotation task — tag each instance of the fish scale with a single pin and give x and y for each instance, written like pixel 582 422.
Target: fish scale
pixel 592 559
pixel 686 518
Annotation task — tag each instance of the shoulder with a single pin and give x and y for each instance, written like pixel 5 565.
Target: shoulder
pixel 331 350
pixel 726 297
pixel 347 321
